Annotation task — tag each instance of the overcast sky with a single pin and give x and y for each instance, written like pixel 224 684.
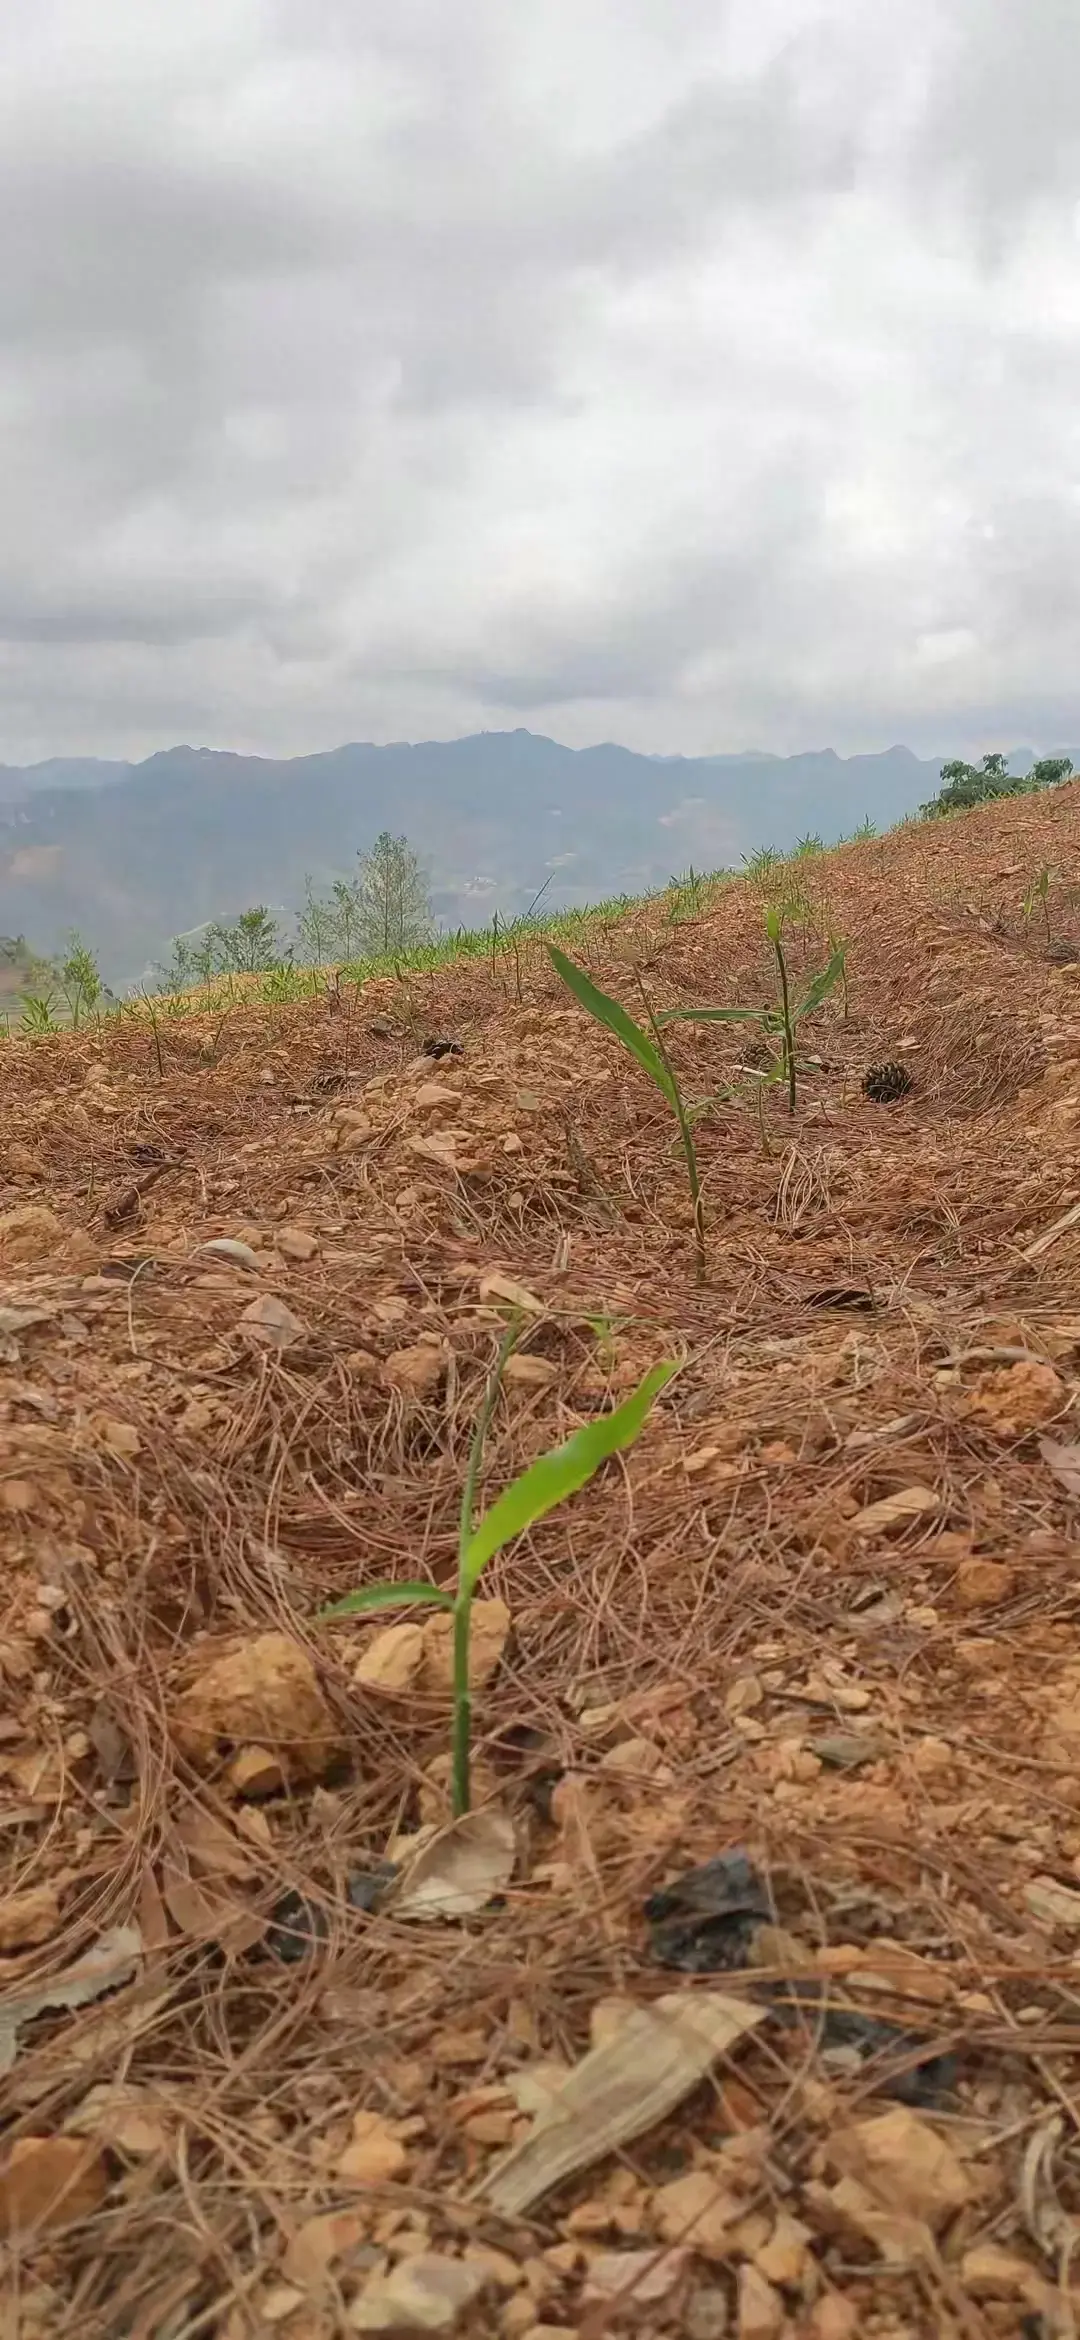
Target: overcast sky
pixel 696 373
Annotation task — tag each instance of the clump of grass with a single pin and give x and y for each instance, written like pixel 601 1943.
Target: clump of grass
pixel 652 1055
pixel 535 1492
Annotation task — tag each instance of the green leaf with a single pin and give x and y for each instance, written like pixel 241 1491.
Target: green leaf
pixel 387 1596
pixel 730 1015
pixel 608 1011
pixel 559 1474
pixel 822 984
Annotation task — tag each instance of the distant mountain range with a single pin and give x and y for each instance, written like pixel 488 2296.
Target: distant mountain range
pixel 132 854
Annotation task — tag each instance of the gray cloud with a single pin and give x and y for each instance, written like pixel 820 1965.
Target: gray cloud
pixel 701 377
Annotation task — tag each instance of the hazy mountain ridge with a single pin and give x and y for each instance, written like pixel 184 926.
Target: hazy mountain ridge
pixel 133 853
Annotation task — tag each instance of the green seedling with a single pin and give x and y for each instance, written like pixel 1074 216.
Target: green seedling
pixel 537 1491
pixel 1039 893
pixel 37 1012
pixel 652 1056
pixel 780 1024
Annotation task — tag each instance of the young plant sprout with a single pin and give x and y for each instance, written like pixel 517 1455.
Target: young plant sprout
pixel 652 1055
pixel 546 1483
pixel 780 1024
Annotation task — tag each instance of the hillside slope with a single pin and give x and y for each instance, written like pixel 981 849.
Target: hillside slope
pixel 824 1613
pixel 192 834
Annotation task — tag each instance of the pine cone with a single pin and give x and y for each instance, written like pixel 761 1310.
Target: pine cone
pixel 884 1083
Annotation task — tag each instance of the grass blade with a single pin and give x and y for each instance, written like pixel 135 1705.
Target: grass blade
pixel 695 1015
pixel 559 1474
pixel 822 984
pixel 405 1595
pixel 608 1011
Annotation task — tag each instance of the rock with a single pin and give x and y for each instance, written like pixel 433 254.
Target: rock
pixel 981 1584
pixel 19 1162
pixel 698 2210
pixel 254 1771
pixel 375 2157
pixel 834 2318
pixel 989 2272
pixel 272 1322
pixel 29 1232
pixel 1015 1398
pixel 496 1286
pixel 903 2162
pixel 783 2258
pixel 262 1693
pixel 706 2316
pixel 26 1918
pixel 296 1243
pixel 1053 1904
pixel 48 2182
pixel 426 2294
pixel 487 1641
pixel 761 2309
pixel 393 1660
pixel 530 1372
pixel 311 2251
pixel 649 2280
pixel 415 1372
pixel 432 1094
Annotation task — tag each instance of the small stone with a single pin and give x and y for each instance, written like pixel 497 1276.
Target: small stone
pixel 296 1243
pixel 427 2293
pixel 271 1321
pixel 834 2318
pixel 282 2298
pixel 376 2156
pixel 488 1635
pixel 783 2258
pixel 699 2210
pixel 30 1917
pixel 392 1660
pixel 417 1371
pixel 982 1584
pixel 254 1771
pixel 264 1693
pixel 706 2315
pixel 49 2182
pixel 431 1094
pixel 648 2279
pixel 28 1233
pixel 905 2164
pixel 1016 1398
pixel 761 2310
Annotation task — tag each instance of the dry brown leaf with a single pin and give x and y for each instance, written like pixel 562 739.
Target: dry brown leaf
pixel 113 1960
pixel 212 1844
pixel 496 1286
pixel 618 2091
pixel 460 1869
pixel 1064 1461
pixel 894 1511
pixel 47 2182
pixel 205 1915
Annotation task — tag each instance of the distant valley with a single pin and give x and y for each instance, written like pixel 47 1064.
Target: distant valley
pixel 131 854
